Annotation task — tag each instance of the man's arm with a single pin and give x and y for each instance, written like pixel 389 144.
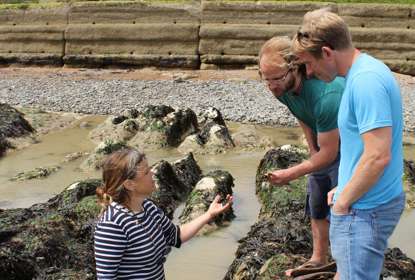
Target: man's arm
pixel 375 157
pixel 310 137
pixel 329 147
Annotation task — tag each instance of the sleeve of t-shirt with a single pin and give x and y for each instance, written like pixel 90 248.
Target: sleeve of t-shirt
pixel 110 243
pixel 171 231
pixel 371 102
pixel 327 109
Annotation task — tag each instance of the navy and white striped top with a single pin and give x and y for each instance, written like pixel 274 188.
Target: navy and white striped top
pixel 133 246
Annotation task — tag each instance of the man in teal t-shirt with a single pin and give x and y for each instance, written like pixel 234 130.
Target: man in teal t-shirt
pixel 369 199
pixel 315 105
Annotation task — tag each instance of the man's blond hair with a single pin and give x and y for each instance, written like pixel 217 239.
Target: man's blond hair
pixel 321 28
pixel 275 49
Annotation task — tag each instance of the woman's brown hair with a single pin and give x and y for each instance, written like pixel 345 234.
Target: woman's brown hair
pixel 117 168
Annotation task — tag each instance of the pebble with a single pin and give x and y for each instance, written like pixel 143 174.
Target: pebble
pixel 238 100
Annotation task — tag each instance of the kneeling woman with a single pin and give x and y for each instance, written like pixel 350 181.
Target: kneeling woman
pixel 133 236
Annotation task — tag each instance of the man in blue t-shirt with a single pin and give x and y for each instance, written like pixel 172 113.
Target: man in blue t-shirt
pixel 369 199
pixel 315 104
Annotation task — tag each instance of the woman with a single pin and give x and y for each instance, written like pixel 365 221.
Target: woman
pixel 133 236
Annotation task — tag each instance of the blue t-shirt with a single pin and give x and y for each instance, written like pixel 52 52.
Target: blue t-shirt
pixel 371 100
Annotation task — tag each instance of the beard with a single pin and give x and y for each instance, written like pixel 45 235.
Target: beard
pixel 288 86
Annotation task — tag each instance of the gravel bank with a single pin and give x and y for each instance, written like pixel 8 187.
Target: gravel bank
pixel 238 99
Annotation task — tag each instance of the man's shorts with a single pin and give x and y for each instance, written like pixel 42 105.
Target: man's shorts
pixel 319 183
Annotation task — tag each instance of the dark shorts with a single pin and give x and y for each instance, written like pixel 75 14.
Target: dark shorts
pixel 319 183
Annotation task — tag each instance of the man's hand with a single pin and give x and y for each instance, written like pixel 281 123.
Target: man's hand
pixel 280 177
pixel 340 209
pixel 330 196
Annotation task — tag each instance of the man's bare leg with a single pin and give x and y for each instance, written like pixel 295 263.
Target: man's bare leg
pixel 320 230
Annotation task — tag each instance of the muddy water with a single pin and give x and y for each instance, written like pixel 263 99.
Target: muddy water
pixel 51 150
pixel 206 257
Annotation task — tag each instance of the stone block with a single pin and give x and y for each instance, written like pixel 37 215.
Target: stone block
pixel 258 13
pixel 55 16
pixel 132 12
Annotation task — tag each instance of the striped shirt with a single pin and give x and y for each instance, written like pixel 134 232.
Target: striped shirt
pixel 133 246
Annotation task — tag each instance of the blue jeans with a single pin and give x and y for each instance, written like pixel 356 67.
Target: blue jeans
pixel 359 239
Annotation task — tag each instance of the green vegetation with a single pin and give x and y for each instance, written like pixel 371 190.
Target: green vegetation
pixel 87 208
pixel 111 146
pixel 275 266
pixel 275 197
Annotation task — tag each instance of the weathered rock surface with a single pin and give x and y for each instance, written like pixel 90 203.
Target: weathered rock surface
pixel 153 128
pixel 96 159
pixel 214 136
pixel 38 172
pixel 52 237
pixel 214 183
pixel 174 182
pixel 12 124
pixel 281 237
pixel 409 183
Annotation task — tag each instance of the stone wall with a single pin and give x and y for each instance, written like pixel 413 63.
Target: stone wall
pixel 206 34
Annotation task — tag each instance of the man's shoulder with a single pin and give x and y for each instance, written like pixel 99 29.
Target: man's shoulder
pixel 321 88
pixel 369 67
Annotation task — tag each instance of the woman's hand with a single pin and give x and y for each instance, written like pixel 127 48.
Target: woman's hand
pixel 216 207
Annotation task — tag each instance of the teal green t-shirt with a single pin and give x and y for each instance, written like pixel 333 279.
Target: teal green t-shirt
pixel 317 104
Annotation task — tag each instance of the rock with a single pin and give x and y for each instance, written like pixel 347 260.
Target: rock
pixel 410 170
pixel 212 114
pixel 12 125
pixel 180 124
pixel 218 182
pixel 73 156
pixel 114 130
pixel 38 172
pixel 157 112
pixel 281 238
pixel 173 188
pixel 95 159
pixel 50 237
pixel 409 183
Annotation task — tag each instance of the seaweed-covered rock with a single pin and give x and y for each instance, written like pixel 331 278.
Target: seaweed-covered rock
pixel 116 129
pixel 217 182
pixel 95 159
pixel 12 124
pixel 37 242
pixel 281 237
pixel 410 170
pixel 174 183
pixel 212 115
pixel 409 183
pixel 153 128
pixel 4 145
pixel 38 172
pixel 214 136
pixel 180 124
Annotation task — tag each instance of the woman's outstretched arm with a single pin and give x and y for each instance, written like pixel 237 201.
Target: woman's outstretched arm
pixel 187 231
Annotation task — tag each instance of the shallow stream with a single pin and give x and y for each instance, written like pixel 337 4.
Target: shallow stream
pixel 202 258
